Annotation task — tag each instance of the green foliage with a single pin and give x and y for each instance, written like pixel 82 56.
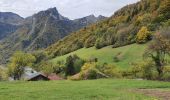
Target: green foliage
pixel 159 49
pixel 69 66
pixel 40 56
pixel 166 73
pixel 143 70
pixel 47 68
pixel 110 70
pixel 73 65
pixel 3 74
pixel 95 71
pixel 149 71
pixel 18 62
pixel 164 9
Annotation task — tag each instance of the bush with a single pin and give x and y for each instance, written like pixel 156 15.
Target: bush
pixel 94 71
pixel 166 73
pixel 145 70
pixel 73 65
pixel 110 71
pixel 136 71
pixel 3 74
pixel 148 70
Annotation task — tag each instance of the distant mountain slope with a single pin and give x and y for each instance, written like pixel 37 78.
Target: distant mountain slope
pixel 10 18
pixel 118 30
pixel 6 29
pixel 9 22
pixel 41 30
pixel 81 22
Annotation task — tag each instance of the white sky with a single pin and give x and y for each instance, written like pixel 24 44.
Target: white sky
pixel 69 8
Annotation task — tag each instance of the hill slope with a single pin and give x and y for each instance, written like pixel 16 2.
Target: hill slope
pixel 118 30
pixel 127 55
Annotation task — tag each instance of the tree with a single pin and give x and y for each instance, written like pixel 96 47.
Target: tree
pixel 69 66
pixel 143 35
pixel 18 62
pixel 47 68
pixel 73 65
pixel 165 8
pixel 159 48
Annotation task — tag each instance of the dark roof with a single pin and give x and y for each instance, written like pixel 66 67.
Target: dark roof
pixel 36 75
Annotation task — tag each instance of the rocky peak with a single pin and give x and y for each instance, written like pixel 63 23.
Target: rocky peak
pixel 51 12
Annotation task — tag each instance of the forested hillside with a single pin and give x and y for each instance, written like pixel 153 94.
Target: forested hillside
pixel 146 16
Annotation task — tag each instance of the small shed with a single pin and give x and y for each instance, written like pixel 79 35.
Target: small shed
pixel 37 77
pixel 32 75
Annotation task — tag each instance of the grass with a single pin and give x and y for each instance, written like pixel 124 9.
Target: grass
pixel 103 89
pixel 129 54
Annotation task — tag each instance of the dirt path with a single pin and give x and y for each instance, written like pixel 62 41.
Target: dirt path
pixel 162 94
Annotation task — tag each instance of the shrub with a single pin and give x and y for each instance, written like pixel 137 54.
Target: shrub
pixel 145 70
pixel 73 65
pixel 149 71
pixel 110 71
pixel 136 71
pixel 3 74
pixel 94 71
pixel 166 73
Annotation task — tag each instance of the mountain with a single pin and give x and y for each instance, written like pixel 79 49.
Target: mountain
pixel 89 20
pixel 118 30
pixel 39 31
pixel 6 29
pixel 9 22
pixel 10 18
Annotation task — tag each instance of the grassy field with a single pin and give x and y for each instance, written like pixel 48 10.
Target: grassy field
pixel 103 89
pixel 128 54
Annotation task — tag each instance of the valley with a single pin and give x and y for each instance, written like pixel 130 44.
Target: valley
pixel 124 55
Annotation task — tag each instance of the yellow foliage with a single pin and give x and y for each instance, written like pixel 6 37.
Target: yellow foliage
pixel 143 35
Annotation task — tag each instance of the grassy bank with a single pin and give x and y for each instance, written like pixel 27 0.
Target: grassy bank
pixel 128 54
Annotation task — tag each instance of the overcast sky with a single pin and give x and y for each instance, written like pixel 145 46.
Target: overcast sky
pixel 68 8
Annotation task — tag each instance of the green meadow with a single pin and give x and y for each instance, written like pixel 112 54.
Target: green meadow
pixel 128 54
pixel 103 89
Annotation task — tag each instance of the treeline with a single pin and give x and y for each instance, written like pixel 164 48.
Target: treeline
pixel 120 29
